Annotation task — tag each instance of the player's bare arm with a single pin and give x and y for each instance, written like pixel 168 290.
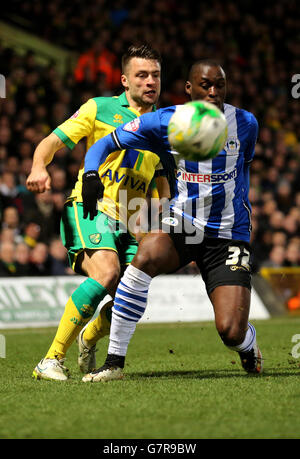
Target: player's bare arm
pixel 39 179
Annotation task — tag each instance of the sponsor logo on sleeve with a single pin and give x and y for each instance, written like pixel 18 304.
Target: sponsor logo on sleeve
pixel 75 114
pixel 132 126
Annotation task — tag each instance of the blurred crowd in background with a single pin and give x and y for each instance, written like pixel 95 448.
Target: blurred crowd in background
pixel 260 51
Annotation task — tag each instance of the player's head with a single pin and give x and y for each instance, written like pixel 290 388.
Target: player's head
pixel 141 68
pixel 207 81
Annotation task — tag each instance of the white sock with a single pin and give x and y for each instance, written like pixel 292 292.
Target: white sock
pixel 121 331
pixel 129 306
pixel 248 342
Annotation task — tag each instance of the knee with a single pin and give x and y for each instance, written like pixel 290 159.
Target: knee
pixel 103 266
pixel 108 278
pixel 144 261
pixel 111 279
pixel 153 255
pixel 231 333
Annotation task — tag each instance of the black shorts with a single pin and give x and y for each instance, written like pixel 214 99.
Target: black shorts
pixel 220 261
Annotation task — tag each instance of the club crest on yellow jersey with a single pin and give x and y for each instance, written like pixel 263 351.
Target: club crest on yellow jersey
pixel 95 238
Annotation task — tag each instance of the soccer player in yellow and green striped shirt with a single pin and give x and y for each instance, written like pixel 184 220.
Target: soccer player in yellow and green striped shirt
pixel 92 250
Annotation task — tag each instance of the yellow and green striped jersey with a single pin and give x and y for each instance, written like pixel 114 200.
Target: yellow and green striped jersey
pixel 126 170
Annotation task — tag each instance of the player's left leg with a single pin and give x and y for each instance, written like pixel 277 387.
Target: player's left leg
pixel 226 271
pixel 231 305
pixel 100 326
pixel 87 339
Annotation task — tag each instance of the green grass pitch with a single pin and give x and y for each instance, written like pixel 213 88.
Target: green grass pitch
pixel 181 383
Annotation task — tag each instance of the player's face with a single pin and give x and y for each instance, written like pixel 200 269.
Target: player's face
pixel 141 79
pixel 209 84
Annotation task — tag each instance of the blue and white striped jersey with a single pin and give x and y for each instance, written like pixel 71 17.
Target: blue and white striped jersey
pixel 212 194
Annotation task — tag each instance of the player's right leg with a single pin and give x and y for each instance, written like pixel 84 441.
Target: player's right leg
pixel 94 255
pixel 156 255
pixel 102 267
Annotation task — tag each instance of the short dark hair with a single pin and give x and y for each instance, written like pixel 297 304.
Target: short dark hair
pixel 144 51
pixel 205 61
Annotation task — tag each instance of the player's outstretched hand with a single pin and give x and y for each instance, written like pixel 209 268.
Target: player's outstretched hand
pixel 92 190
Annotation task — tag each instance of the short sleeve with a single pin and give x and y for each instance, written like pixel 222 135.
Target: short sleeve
pixel 79 125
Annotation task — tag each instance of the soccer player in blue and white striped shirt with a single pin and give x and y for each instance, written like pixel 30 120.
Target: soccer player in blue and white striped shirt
pixel 209 222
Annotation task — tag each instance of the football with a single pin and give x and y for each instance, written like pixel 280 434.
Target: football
pixel 197 131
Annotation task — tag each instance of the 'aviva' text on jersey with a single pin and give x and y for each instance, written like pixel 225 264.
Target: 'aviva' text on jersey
pixel 133 182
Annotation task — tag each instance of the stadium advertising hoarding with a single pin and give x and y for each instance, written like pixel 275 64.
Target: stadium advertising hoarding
pixel 40 301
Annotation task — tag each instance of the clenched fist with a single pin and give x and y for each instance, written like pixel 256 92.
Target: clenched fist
pixel 38 180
